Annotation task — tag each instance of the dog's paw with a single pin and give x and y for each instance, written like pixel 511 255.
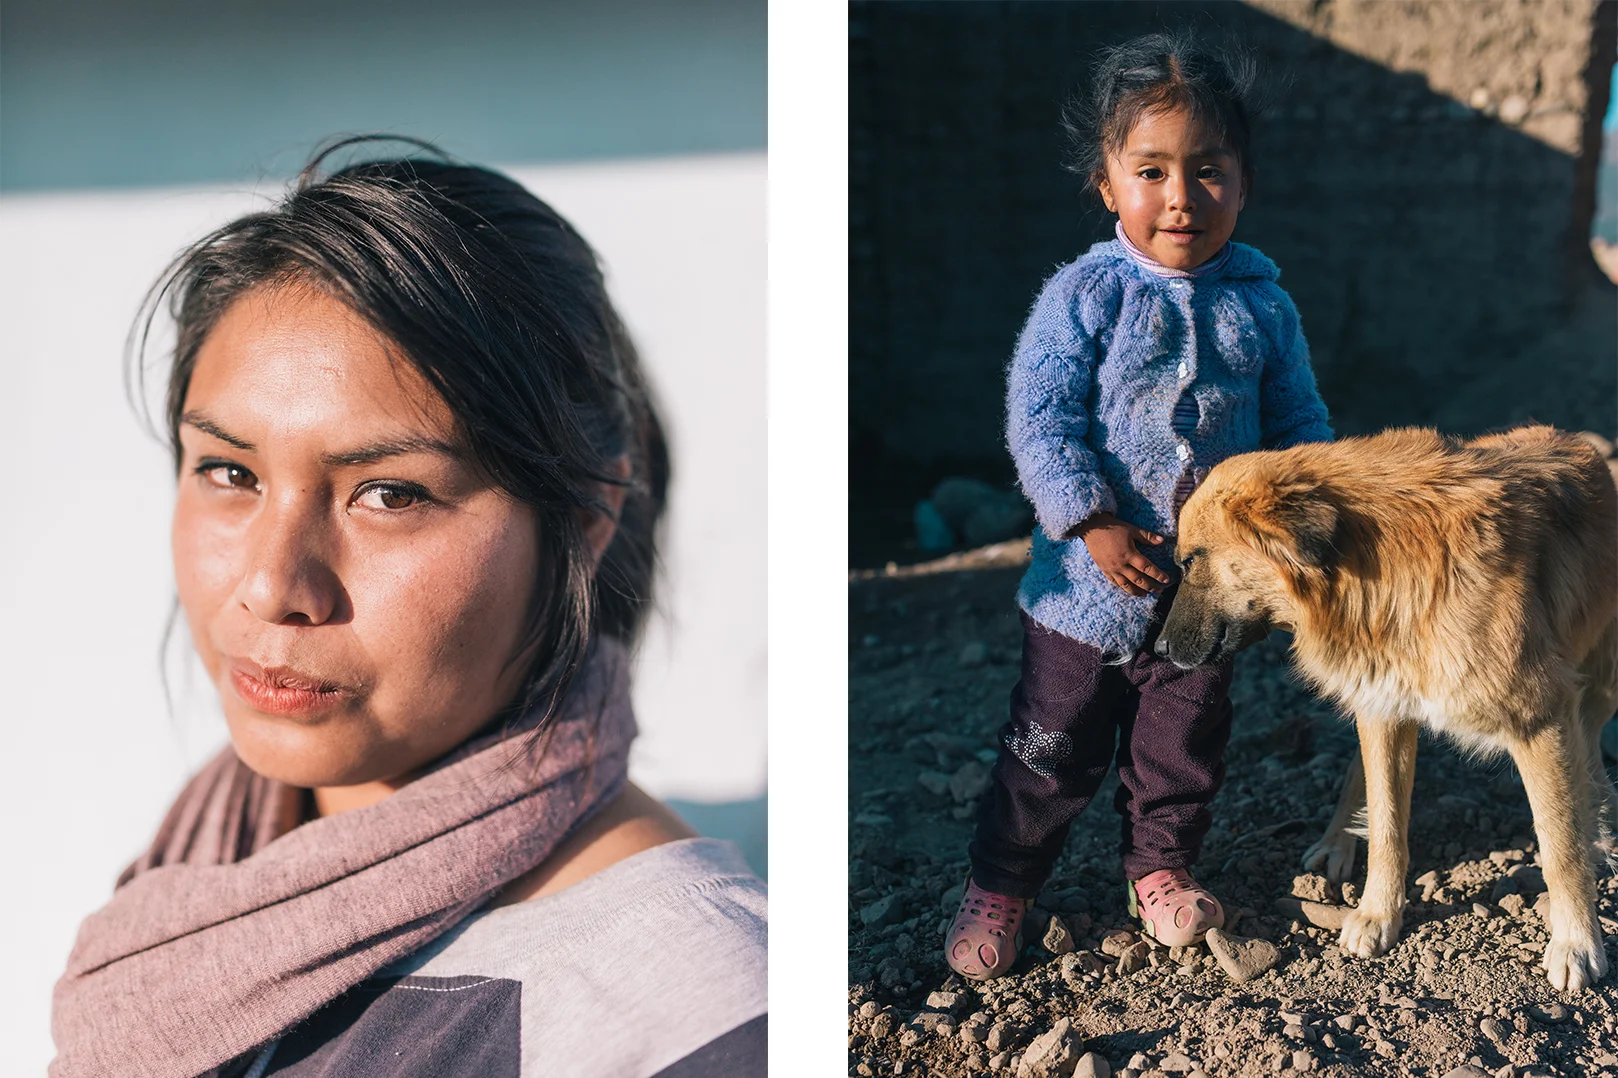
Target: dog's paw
pixel 1333 856
pixel 1367 934
pixel 1572 965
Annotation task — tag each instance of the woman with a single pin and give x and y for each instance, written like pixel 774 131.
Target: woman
pixel 420 480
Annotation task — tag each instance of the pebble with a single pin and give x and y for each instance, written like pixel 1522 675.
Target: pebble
pixel 1176 1063
pixel 1550 1013
pixel 1134 957
pixel 1242 959
pixel 1466 1070
pixel 974 1033
pixel 1058 939
pixel 950 900
pixel 884 911
pixel 1051 1054
pixel 1491 1029
pixel 1002 1035
pixel 1116 943
pixel 934 782
pixel 1139 1062
pixel 882 1025
pixel 1514 109
pixel 974 654
pixel 1482 911
pixel 1511 904
pixel 1302 1061
pixel 870 1009
pixel 969 783
pixel 1344 1022
pixel 1319 914
pixel 1092 1065
pixel 946 1001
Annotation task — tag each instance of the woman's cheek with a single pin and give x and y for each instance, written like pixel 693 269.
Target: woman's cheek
pixel 204 571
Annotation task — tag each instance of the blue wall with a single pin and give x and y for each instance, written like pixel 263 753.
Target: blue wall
pixel 99 93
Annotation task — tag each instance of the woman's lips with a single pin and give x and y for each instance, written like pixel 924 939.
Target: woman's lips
pixel 280 691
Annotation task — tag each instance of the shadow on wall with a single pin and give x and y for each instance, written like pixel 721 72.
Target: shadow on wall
pixel 1438 253
pixel 746 823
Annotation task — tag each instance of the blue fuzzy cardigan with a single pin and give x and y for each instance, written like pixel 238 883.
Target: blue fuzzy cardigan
pixel 1107 351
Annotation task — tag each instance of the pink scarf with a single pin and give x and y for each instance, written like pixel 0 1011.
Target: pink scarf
pixel 231 927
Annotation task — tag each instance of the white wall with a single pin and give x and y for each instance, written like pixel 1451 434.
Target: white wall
pixel 89 757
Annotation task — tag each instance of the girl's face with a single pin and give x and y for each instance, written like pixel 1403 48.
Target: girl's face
pixel 352 584
pixel 1175 188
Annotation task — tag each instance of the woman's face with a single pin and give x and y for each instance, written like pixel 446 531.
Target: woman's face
pixel 353 585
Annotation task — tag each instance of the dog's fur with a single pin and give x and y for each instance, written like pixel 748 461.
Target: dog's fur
pixel 1469 586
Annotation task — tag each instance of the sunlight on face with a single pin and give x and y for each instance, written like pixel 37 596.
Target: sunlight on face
pixel 1175 189
pixel 352 584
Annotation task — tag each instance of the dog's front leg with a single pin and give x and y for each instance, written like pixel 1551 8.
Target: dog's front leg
pixel 1334 853
pixel 1388 754
pixel 1553 768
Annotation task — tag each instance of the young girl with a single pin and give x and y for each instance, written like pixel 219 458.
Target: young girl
pixel 1143 364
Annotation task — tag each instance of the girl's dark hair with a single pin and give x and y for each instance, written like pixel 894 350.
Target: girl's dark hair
pixel 501 306
pixel 1174 70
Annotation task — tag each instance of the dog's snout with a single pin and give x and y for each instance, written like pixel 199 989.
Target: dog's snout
pixel 1161 647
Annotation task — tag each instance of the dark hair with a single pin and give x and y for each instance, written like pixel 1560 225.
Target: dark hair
pixel 1174 70
pixel 501 306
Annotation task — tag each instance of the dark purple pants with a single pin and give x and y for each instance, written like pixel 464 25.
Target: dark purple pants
pixel 1071 716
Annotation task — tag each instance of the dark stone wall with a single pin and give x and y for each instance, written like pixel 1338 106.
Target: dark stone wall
pixel 1433 249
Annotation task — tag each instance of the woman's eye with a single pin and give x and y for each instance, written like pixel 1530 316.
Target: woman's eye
pixel 1209 172
pixel 389 497
pixel 1151 173
pixel 221 474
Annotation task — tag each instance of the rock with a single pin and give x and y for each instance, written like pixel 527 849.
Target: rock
pixel 1511 905
pixel 1052 1054
pixel 950 900
pixel 1344 1022
pixel 947 1001
pixel 933 535
pixel 1116 943
pixel 1092 1065
pixel 883 1025
pixel 1482 911
pixel 1058 939
pixel 1319 914
pixel 1242 959
pixel 1312 887
pixel 870 1009
pixel 886 910
pixel 1514 109
pixel 1492 1030
pixel 1139 1062
pixel 1134 957
pixel 1530 878
pixel 1466 1070
pixel 1505 885
pixel 1176 1063
pixel 934 782
pixel 1003 1036
pixel 974 654
pixel 1303 1061
pixel 997 1062
pixel 1550 1013
pixel 979 513
pixel 969 783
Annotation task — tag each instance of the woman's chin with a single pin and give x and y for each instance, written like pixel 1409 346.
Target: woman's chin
pixel 299 755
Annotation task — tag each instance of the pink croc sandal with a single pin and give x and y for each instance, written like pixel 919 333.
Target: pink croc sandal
pixel 1173 908
pixel 986 935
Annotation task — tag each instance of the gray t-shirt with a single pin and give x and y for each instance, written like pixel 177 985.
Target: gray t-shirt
pixel 651 968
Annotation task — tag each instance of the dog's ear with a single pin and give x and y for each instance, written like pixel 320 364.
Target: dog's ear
pixel 1292 521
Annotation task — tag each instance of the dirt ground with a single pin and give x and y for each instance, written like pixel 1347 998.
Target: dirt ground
pixel 933 656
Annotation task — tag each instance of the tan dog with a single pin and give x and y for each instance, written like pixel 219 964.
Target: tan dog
pixel 1470 586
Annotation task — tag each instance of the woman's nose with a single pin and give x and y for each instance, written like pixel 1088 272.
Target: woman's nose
pixel 287 578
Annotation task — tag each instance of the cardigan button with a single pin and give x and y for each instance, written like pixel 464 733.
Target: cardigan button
pixel 1184 370
pixel 1182 451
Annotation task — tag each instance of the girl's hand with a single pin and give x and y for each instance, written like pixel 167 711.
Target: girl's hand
pixel 1111 543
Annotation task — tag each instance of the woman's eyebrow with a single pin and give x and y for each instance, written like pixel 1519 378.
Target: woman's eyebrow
pixel 366 454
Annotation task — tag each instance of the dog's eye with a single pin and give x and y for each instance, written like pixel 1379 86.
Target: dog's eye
pixel 1185 566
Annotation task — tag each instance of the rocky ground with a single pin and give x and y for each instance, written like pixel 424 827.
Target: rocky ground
pixel 932 658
